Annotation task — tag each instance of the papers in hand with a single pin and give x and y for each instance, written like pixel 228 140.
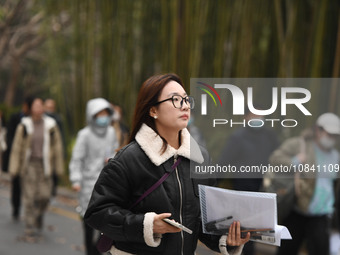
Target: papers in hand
pixel 256 212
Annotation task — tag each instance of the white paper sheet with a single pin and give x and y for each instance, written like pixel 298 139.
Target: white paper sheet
pixel 253 209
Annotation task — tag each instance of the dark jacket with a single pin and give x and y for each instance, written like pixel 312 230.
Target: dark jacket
pixel 126 177
pixel 249 147
pixel 13 123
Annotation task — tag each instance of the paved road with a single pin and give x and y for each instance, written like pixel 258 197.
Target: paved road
pixel 63 232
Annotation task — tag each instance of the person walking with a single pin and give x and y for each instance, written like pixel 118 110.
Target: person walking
pixel 3 145
pixel 95 144
pixel 50 110
pixel 13 123
pixel 160 152
pixel 315 153
pixel 122 131
pixel 36 152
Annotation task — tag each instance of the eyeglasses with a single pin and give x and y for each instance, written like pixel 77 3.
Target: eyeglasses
pixel 177 101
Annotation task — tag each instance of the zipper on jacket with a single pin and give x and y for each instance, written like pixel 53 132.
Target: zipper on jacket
pixel 181 205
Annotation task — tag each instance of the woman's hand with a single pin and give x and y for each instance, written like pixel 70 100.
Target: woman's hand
pixel 161 227
pixel 234 236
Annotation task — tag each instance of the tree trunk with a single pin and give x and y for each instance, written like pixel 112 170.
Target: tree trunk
pixel 13 82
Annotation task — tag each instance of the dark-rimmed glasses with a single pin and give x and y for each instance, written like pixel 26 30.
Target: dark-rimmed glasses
pixel 177 101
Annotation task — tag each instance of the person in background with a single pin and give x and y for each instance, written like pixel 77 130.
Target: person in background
pixel 36 152
pixel 13 122
pixel 159 143
pixel 3 145
pixel 50 110
pixel 249 146
pixel 95 144
pixel 122 131
pixel 309 219
pixel 195 132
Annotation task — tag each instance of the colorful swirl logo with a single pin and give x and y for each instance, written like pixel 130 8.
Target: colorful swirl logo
pixel 209 93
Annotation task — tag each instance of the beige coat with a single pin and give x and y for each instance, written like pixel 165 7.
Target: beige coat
pixel 52 147
pixel 305 181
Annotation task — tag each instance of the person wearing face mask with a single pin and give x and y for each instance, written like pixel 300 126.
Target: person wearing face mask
pixel 309 218
pixel 95 144
pixel 249 146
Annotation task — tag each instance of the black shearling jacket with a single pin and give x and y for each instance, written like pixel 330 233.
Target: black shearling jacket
pixel 126 177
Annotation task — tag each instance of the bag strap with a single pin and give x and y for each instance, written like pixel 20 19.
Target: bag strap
pixel 156 185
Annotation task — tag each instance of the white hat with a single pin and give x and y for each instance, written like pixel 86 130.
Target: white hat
pixel 329 122
pixel 96 105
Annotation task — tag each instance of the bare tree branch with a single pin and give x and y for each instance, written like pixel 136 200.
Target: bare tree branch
pixel 5 27
pixel 17 11
pixel 30 30
pixel 29 45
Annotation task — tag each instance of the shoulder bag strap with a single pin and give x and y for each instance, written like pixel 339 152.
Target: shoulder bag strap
pixel 155 186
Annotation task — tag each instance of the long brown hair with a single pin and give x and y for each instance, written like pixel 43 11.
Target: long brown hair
pixel 147 97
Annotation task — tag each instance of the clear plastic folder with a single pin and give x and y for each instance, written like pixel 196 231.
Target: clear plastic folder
pixel 256 211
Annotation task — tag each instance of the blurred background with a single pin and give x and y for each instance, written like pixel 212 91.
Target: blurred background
pixel 76 50
pixel 72 51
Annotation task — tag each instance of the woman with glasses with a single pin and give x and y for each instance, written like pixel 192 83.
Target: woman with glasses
pixel 159 155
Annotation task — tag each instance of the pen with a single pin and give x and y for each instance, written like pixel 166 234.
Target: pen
pixel 211 225
pixel 258 230
pixel 219 220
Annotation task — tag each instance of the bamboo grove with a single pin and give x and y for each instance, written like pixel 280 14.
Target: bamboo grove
pixel 108 47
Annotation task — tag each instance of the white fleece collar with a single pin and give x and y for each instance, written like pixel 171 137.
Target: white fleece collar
pixel 151 143
pixel 48 124
pixel 28 122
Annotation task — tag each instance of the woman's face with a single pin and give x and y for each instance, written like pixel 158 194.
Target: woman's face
pixel 37 109
pixel 169 117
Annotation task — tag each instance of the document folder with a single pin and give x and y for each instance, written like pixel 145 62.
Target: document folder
pixel 256 211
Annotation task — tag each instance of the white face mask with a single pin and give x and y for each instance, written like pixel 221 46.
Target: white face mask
pixel 326 142
pixel 256 123
pixel 102 121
